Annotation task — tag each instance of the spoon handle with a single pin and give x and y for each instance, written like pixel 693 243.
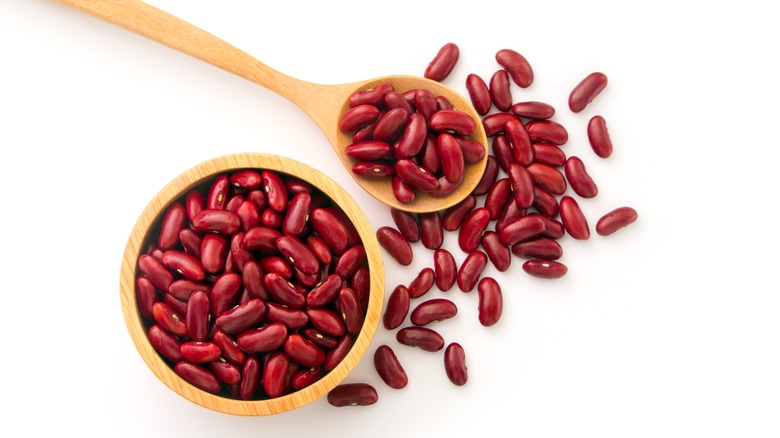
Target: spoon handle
pixel 160 26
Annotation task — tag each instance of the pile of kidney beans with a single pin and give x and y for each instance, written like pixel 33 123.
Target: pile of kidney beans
pixel 252 285
pixel 521 207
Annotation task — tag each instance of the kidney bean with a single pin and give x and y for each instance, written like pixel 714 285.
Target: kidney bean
pixel 303 351
pixel 445 269
pixel 522 150
pixel 598 137
pixel 234 202
pixel 350 261
pixel 491 301
pixel 473 151
pixel 194 202
pixel 498 253
pixel 241 317
pixel 473 227
pixel 373 96
pixel 275 190
pixel 293 319
pixel 547 131
pixel 297 215
pixel 213 252
pixel 538 248
pixel 229 347
pixel 502 150
pixel 433 310
pixel 263 339
pixel 533 110
pixel 479 93
pixel 275 264
pixel 389 367
pixel 361 285
pixel 262 239
pixel 224 292
pixel 446 187
pixel 443 63
pixel 352 394
pixel 179 306
pixel 395 244
pixel 217 194
pixel 406 223
pixel 521 229
pixel 190 241
pixel 488 177
pixel 320 249
pixel 200 352
pixel 154 270
pixel 573 219
pixel 391 125
pixel 326 320
pixel 318 338
pixel 225 371
pixel 283 291
pixel 471 269
pixel 397 307
pixel 298 254
pixel 198 376
pixel 425 103
pixel 442 103
pixel 500 93
pixel 350 309
pixel 183 263
pixel 402 191
pixel 517 66
pixel 548 178
pixel 247 179
pixel 455 364
pixel 549 154
pixel 545 203
pixel 238 254
pixel 615 220
pixel 422 283
pixel 197 316
pixel 416 176
pixel 369 150
pixel 216 221
pixel 325 292
pixel 522 185
pixel 335 355
pixel 497 197
pixel 431 229
pixel 452 121
pixel 257 197
pixel 511 213
pixel 306 377
pixel 254 281
pixel 169 319
pixel 413 137
pixel 587 90
pixel 373 169
pixel 420 337
pixel 365 133
pixel 579 179
pixel 453 216
pixel 547 269
pixel 330 229
pixel 394 99
pixel 146 295
pixel 429 157
pixel 165 343
pixel 358 117
pixel 494 123
pixel 172 222
pixel 553 228
pixel 451 154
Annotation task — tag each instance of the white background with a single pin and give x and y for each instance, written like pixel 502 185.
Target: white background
pixel 668 328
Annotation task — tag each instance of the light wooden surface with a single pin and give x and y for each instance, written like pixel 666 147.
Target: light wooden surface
pixel 174 190
pixel 323 103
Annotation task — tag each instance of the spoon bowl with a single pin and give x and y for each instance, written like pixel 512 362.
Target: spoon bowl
pixel 324 104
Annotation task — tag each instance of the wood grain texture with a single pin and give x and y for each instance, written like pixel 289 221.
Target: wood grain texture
pixel 324 104
pixel 176 188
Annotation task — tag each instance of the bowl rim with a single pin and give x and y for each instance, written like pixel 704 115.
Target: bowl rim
pixel 174 190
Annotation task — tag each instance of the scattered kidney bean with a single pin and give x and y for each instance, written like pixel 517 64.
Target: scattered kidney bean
pixel 455 364
pixel 579 179
pixel 422 283
pixel 433 310
pixel 431 229
pixel 497 252
pixel 587 90
pixel 396 245
pixel 389 367
pixel 421 337
pixel 538 248
pixel 198 376
pixel 479 93
pixel 533 110
pixel 548 269
pixel 500 93
pixel 397 307
pixel 445 269
pixel 517 66
pixel 598 137
pixel 491 301
pixel 471 269
pixel 442 64
pixel 574 220
pixel 352 394
pixel 615 220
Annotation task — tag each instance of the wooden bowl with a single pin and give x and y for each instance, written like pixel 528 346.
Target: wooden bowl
pixel 137 242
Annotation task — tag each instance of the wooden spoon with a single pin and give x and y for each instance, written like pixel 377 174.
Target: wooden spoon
pixel 323 103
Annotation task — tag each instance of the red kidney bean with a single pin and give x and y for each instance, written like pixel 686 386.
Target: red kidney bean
pixel 263 339
pixel 353 238
pixel 471 269
pixel 394 99
pixel 397 307
pixel 389 367
pixel 326 320
pixel 303 351
pixel 262 239
pixel 494 123
pixel 453 216
pixel 402 191
pixel 194 202
pixel 522 150
pixel 549 154
pixel 197 316
pixel 413 138
pixel 455 364
pixel 538 248
pixel 446 187
pixel 275 264
pixel 217 195
pixel 517 66
pixel 548 269
pixel 165 343
pixel 275 190
pixel 350 309
pixel 241 317
pixel 502 150
pixel 172 223
pixel 320 249
pixel 325 292
pixel 330 229
pixel 553 228
pixel 216 221
pixel 473 151
pixel 229 347
pixel 224 292
pixel 498 253
pixel 545 203
pixel 298 254
pixel 198 376
pixel 488 177
pixel 442 64
pixel 254 281
pixel 352 394
pixel 479 93
pixel 422 283
pixel 373 169
pixel 238 254
pixel 293 319
pixel 360 284
pixel 425 103
pixel 169 319
pixel 306 377
pixel 433 310
pixel 200 352
pixel 429 157
pixel 548 178
pixel 358 117
pixel 579 179
pixel 247 179
pixel 443 103
pixel 491 301
pixel 587 90
pixel 190 241
pixel 275 374
pixel 416 176
pixel 390 125
pixel 548 131
pixel 452 121
pixel 615 220
pixel 183 263
pixel 154 270
pixel 234 202
pixel 297 215
pixel 598 137
pixel 420 337
pixel 451 154
pixel 395 244
pixel 473 227
pixel 497 197
pixel 406 223
pixel 500 93
pixel 431 229
pixel 445 269
pixel 335 355
pixel 178 306
pixel 511 213
pixel 213 252
pixel 257 196
pixel 522 229
pixel 146 296
pixel 373 96
pixel 533 110
pixel 573 219
pixel 369 150
pixel 225 371
pixel 284 292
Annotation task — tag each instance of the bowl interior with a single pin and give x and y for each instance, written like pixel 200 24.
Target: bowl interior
pixel 144 228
